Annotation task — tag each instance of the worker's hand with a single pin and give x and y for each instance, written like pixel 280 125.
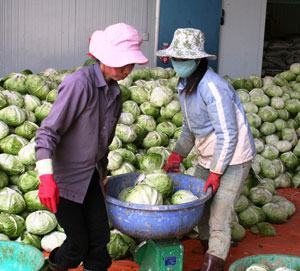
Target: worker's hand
pixel 48 192
pixel 173 162
pixel 213 180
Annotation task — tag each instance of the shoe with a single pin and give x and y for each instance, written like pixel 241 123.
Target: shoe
pixel 212 263
pixel 48 266
pixel 51 265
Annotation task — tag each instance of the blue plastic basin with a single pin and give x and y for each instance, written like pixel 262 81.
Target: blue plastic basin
pixel 155 222
pixel 16 256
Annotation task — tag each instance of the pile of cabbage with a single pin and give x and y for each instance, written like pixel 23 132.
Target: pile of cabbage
pixel 146 133
pixel 272 105
pixel 150 122
pixel 25 100
pixel 273 110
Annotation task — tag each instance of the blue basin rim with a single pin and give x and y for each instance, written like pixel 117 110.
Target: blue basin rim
pixel 155 222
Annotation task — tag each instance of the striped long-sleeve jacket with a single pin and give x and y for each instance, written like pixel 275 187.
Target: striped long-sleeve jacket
pixel 214 121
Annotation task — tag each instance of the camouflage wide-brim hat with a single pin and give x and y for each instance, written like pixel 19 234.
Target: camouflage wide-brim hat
pixel 187 43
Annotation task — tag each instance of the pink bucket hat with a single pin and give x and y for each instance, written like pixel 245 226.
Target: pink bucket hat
pixel 117 45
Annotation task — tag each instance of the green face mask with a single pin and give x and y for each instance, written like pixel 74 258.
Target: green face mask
pixel 185 68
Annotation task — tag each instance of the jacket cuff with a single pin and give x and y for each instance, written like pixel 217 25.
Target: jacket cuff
pixel 181 150
pixel 41 153
pixel 44 166
pixel 217 172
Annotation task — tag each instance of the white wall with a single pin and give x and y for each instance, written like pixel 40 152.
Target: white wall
pixel 39 34
pixel 241 37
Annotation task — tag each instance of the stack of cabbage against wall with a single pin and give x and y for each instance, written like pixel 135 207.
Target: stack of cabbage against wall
pixel 150 122
pixel 273 111
pixel 272 105
pixel 25 100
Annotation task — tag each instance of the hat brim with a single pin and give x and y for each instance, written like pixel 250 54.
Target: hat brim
pixel 111 55
pixel 169 52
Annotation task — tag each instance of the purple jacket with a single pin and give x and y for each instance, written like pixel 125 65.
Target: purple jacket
pixel 78 130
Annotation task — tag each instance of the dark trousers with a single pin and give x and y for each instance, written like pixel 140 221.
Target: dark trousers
pixel 87 229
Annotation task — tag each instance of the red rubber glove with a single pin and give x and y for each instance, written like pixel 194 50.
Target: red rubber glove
pixel 173 162
pixel 48 192
pixel 213 180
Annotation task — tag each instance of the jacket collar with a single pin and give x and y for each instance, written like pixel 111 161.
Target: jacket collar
pixel 100 81
pixel 182 82
pixel 181 85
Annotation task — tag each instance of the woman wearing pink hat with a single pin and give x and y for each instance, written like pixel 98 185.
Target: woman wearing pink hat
pixel 216 124
pixel 72 147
